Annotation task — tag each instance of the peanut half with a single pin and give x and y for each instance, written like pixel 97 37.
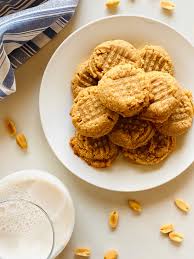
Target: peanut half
pixel 112 3
pixel 83 251
pixel 168 5
pixel 112 254
pixel 167 228
pixel 182 205
pixel 21 141
pixel 113 219
pixel 135 206
pixel 11 127
pixel 176 237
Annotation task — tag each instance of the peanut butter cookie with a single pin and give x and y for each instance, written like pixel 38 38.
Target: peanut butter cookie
pixel 124 89
pixel 109 54
pixel 131 133
pixel 82 79
pixel 181 118
pixel 155 58
pixel 156 150
pixel 97 152
pixel 89 116
pixel 163 89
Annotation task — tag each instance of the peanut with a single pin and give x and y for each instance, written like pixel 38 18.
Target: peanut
pixel 135 206
pixel 83 251
pixel 113 219
pixel 176 237
pixel 21 141
pixel 167 228
pixel 11 127
pixel 168 5
pixel 112 3
pixel 182 205
pixel 112 254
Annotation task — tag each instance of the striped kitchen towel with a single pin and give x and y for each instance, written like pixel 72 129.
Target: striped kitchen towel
pixel 25 27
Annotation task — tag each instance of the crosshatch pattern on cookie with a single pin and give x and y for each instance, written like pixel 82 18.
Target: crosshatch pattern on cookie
pixel 131 132
pixel 90 117
pixel 109 54
pixel 155 58
pixel 155 151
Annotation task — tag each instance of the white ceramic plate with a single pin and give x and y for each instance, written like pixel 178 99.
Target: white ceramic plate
pixel 56 100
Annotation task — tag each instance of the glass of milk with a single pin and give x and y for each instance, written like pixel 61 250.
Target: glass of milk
pixel 26 231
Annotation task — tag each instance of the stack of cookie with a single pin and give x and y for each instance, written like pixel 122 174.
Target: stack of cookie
pixel 126 99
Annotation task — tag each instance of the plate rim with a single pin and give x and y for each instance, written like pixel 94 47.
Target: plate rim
pixel 153 20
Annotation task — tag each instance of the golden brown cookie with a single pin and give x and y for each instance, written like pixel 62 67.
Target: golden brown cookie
pixel 190 96
pixel 82 79
pixel 124 89
pixel 89 116
pixel 98 152
pixel 156 150
pixel 155 58
pixel 131 133
pixel 163 89
pixel 181 118
pixel 109 54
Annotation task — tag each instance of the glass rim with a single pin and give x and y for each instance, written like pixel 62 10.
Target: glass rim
pixel 44 212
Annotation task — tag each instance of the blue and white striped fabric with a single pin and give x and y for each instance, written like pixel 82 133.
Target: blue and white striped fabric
pixel 25 27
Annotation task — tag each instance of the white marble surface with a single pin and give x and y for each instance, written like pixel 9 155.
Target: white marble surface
pixel 137 237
